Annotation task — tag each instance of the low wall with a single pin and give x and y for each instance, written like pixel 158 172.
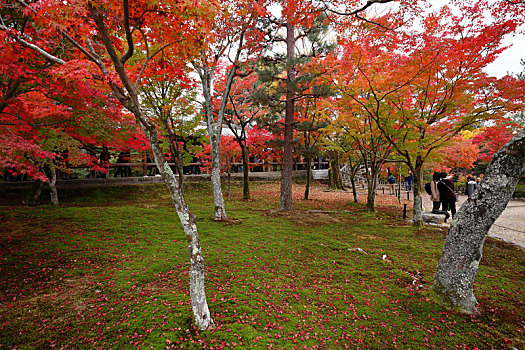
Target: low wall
pixel 125 181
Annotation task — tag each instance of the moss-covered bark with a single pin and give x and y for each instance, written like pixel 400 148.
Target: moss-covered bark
pixel 463 248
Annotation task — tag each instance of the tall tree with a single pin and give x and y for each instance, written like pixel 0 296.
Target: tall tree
pixel 284 77
pixel 108 38
pixel 233 37
pixel 240 117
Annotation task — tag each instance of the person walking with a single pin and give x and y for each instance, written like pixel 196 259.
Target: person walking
pixel 391 183
pixel 408 182
pixel 447 195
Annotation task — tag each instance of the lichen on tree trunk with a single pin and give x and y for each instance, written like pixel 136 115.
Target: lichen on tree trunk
pixel 462 252
pixel 53 188
pixel 201 312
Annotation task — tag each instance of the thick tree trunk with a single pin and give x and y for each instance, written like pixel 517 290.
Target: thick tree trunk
pixel 336 181
pixel 308 176
pixel 418 203
pixel 246 173
pixel 53 188
pixel 463 248
pixel 286 181
pixel 199 304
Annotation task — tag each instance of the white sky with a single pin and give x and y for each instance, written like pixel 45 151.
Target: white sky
pixel 509 60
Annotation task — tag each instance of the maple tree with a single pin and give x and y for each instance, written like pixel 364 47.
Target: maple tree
pixel 173 104
pixel 491 139
pixel 140 31
pixel 423 90
pixel 240 117
pixel 233 36
pixel 461 154
pixel 44 114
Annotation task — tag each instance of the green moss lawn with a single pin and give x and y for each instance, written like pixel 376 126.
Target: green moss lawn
pixel 109 269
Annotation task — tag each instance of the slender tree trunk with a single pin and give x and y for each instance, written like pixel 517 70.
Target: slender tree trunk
pixel 127 94
pixel 218 199
pixel 53 188
pixel 178 162
pixel 245 172
pixel 228 172
pixel 199 304
pixel 352 182
pixel 286 181
pixel 416 185
pixel 308 176
pixel 214 132
pixel 463 248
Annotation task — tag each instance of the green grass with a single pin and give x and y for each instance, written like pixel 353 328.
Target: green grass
pixel 109 269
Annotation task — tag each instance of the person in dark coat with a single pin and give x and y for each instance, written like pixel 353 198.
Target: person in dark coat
pixel 447 196
pixel 436 202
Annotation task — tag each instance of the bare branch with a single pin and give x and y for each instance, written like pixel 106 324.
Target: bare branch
pixel 129 37
pixel 33 47
pixel 146 63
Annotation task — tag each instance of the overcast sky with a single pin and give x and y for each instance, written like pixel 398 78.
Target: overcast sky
pixel 509 60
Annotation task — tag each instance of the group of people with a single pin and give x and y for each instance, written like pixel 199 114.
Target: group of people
pixel 443 194
pixel 392 181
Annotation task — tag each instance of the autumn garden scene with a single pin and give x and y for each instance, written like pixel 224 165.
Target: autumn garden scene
pixel 231 174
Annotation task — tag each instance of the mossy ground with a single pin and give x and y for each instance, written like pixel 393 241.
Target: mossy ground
pixel 109 269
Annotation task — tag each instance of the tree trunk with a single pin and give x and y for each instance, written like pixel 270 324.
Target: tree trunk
pixel 214 132
pixel 308 176
pixel 336 182
pixel 218 199
pixel 199 304
pixel 245 172
pixel 38 191
pixel 463 248
pixel 371 189
pixel 352 182
pixel 416 185
pixel 177 158
pixel 131 102
pixel 286 181
pixel 53 188
pixel 229 173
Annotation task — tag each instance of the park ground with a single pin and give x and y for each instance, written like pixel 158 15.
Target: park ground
pixel 109 269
